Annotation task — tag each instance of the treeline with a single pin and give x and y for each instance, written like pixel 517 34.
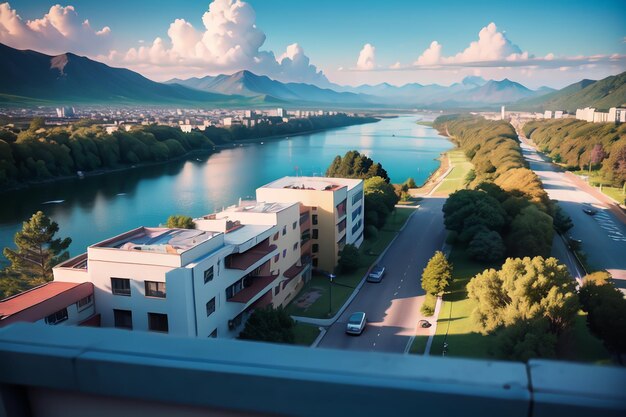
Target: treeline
pixel 41 152
pixel 578 144
pixel 505 212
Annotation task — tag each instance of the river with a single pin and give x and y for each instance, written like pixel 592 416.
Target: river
pixel 93 208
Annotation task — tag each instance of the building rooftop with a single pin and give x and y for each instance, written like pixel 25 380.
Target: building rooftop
pixel 313 183
pixel 258 207
pixel 245 233
pixel 38 295
pixel 158 240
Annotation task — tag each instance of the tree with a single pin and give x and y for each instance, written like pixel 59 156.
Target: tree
pixel 562 222
pixel 486 246
pixel 37 123
pixel 269 325
pixel 437 274
pixel 180 222
pixel 597 154
pixel 524 289
pixel 410 182
pixel 355 165
pixel 531 233
pixel 380 200
pixel 606 310
pixel 526 339
pixel 350 258
pixel 37 250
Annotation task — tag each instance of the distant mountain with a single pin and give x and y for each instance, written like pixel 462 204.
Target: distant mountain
pixel 474 81
pixel 496 92
pixel 248 84
pixel 603 94
pixel 27 76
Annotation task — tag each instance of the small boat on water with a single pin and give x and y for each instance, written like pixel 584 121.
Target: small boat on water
pixel 262 143
pixel 120 194
pixel 53 202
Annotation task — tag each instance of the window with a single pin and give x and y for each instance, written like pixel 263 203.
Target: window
pixel 357 197
pixel 210 307
pixel 295 246
pixel 293 226
pixel 276 257
pixel 284 230
pixel 341 209
pixel 120 286
pixel 314 262
pixel 155 289
pixel 356 226
pixel 84 301
pixel 314 219
pixel 157 322
pixel 123 319
pixel 341 226
pixel 275 238
pixel 208 275
pixel 356 212
pixel 213 334
pixel 276 290
pixel 315 248
pixel 304 217
pixel 58 317
pixel 315 233
pixel 284 253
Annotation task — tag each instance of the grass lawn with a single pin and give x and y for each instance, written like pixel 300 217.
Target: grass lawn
pixel 456 178
pixel 419 345
pixel 344 284
pixel 454 317
pixel 616 193
pixel 306 334
pixel 425 123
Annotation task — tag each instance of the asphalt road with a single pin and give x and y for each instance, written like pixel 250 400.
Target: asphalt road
pixel 393 305
pixel 603 235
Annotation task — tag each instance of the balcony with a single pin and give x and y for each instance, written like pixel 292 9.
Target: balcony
pixel 245 260
pixel 255 285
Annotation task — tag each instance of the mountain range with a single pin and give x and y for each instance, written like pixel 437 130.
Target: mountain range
pixel 29 77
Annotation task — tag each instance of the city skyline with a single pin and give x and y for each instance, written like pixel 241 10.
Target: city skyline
pixel 533 44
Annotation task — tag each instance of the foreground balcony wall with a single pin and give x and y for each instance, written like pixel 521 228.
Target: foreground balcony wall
pixel 82 371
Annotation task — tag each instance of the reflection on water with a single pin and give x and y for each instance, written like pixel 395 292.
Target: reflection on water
pixel 94 208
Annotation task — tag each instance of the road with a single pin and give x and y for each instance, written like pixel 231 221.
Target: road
pixel 603 235
pixel 393 305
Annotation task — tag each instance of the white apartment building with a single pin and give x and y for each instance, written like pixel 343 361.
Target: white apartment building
pixel 614 115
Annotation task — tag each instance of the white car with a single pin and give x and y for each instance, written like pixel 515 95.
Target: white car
pixel 356 323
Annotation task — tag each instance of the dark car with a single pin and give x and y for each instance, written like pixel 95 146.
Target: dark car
pixel 589 210
pixel 425 324
pixel 376 274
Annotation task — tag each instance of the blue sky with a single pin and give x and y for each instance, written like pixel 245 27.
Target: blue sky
pixel 331 34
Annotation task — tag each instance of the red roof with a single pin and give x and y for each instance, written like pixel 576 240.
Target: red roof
pixel 41 301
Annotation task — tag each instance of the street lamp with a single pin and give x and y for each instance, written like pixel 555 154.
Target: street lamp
pixel 330 293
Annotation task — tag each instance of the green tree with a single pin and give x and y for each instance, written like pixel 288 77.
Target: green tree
pixel 350 258
pixel 180 222
pixel 37 249
pixel 486 246
pixel 606 310
pixel 531 233
pixel 562 222
pixel 380 200
pixel 37 123
pixel 410 182
pixel 526 339
pixel 437 274
pixel 524 289
pixel 355 165
pixel 269 325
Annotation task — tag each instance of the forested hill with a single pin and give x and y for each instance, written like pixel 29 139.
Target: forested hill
pixel 576 144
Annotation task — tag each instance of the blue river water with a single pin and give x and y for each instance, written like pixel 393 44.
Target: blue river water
pixel 93 208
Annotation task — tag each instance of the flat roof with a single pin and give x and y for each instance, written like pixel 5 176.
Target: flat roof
pixel 313 183
pixel 245 233
pixel 158 240
pixel 29 298
pixel 258 207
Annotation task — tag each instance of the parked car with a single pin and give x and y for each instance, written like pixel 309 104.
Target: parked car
pixel 425 324
pixel 376 274
pixel 356 323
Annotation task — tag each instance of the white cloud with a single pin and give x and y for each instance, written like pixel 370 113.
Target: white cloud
pixel 58 31
pixel 230 41
pixel 491 45
pixel 430 56
pixel 367 58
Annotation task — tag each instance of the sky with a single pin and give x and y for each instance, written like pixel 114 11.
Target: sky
pixel 321 42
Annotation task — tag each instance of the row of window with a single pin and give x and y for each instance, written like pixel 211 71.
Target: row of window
pixel 157 322
pixel 356 198
pixel 356 226
pixel 356 212
pixel 121 286
pixel 62 315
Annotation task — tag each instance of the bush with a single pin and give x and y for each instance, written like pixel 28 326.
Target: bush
pixel 371 232
pixel 180 222
pixel 350 259
pixel 269 325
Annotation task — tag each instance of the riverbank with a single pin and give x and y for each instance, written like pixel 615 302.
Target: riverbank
pixel 189 155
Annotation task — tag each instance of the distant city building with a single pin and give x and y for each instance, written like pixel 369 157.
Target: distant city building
pixel 502 112
pixel 186 128
pixel 65 112
pixel 614 115
pixel 547 114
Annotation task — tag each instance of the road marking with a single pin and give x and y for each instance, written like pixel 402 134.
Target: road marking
pixel 378 335
pixel 374 344
pixel 401 280
pixel 395 293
